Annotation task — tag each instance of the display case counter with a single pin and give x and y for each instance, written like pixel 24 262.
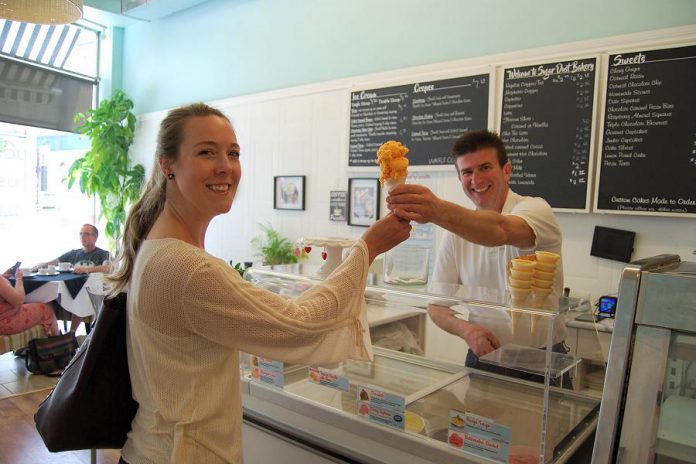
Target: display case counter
pixel 388 322
pixel 328 419
pixel 648 411
pixel 403 407
pixel 590 341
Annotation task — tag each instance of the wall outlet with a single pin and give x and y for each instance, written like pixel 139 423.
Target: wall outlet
pixel 673 377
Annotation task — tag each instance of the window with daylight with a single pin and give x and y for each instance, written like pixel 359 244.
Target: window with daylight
pixel 47 74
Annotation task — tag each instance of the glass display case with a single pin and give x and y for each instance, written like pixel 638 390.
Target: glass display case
pixel 651 358
pixel 439 411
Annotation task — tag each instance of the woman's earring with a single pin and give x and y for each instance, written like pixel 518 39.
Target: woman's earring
pixel 170 176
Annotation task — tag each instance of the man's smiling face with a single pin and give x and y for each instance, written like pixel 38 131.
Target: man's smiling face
pixel 484 181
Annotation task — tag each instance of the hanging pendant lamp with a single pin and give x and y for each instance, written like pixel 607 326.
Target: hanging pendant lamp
pixel 41 11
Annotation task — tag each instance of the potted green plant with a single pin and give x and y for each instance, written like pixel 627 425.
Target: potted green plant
pixel 105 170
pixel 238 267
pixel 273 248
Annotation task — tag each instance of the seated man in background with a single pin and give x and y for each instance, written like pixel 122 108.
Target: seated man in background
pixel 100 259
pixel 89 252
pixel 479 243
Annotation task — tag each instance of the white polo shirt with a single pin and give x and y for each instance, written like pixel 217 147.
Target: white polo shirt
pixel 471 265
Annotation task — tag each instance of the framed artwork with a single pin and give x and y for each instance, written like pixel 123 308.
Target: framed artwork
pixel 289 192
pixel 363 201
pixel 337 205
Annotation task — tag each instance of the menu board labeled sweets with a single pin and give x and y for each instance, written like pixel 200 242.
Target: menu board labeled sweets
pixel 546 124
pixel 648 156
pixel 427 117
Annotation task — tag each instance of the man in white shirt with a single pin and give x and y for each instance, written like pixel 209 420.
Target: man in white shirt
pixel 479 243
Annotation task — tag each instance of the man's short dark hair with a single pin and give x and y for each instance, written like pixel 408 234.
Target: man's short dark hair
pixel 476 140
pixel 95 231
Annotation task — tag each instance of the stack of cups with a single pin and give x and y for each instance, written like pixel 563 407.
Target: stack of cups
pixel 520 282
pixel 544 275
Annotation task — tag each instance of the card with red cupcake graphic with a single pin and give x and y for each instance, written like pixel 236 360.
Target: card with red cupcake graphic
pixel 479 435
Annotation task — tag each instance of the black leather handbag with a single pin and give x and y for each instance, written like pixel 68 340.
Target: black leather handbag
pixel 49 356
pixel 92 404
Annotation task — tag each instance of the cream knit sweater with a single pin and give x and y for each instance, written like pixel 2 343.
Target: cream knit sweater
pixel 189 313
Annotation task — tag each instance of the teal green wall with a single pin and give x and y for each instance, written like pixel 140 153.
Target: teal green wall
pixel 225 48
pixel 110 62
pixel 117 60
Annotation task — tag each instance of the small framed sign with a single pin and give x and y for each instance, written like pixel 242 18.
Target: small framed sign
pixel 337 205
pixel 363 201
pixel 289 192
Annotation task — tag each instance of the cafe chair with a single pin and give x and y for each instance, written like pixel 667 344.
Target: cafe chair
pixel 96 300
pixel 20 340
pixel 62 315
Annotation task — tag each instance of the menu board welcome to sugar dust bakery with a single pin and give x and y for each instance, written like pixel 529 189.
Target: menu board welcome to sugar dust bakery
pixel 427 117
pixel 648 156
pixel 546 124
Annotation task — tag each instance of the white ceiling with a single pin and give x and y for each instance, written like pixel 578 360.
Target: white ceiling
pixel 123 13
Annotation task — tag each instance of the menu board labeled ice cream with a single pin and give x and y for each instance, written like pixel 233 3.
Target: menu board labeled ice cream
pixel 427 117
pixel 546 124
pixel 648 156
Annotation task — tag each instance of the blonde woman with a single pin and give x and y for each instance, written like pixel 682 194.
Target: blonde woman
pixel 189 313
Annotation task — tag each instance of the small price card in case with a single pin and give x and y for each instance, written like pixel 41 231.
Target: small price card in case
pixel 267 371
pixel 381 407
pixel 479 435
pixel 328 379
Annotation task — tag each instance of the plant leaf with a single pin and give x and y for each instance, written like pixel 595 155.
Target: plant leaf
pixel 104 171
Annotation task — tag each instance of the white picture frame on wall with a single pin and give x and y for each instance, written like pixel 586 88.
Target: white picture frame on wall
pixel 289 192
pixel 363 201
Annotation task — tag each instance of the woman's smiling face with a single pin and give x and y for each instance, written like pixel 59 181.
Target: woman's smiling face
pixel 207 169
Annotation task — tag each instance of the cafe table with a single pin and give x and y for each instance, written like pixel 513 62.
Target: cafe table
pixel 71 288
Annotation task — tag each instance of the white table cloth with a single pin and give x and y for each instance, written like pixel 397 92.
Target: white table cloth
pixel 81 305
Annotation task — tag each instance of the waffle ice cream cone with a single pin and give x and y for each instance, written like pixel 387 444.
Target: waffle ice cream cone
pixel 515 316
pixel 533 322
pixel 391 183
pixel 393 164
pixel 539 296
pixel 519 283
pixel 547 257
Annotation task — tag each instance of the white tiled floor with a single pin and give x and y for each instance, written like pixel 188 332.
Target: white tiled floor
pixel 15 379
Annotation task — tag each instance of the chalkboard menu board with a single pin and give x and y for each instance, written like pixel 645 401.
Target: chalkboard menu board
pixel 546 124
pixel 648 162
pixel 427 117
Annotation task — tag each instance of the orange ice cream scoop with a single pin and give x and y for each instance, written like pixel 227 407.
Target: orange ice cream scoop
pixel 392 161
